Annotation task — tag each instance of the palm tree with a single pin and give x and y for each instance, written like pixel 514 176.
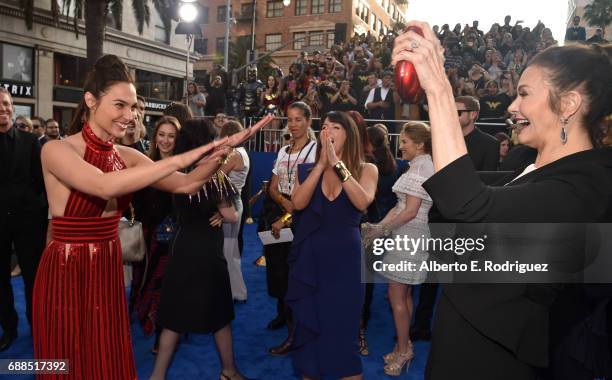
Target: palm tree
pixel 96 12
pixel 599 13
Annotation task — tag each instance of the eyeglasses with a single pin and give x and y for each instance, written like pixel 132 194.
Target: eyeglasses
pixel 459 112
pixel 21 126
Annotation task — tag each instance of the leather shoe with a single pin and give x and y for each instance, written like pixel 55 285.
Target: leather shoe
pixel 283 349
pixel 278 322
pixel 420 334
pixel 8 337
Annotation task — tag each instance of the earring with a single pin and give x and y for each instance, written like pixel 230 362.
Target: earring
pixel 563 131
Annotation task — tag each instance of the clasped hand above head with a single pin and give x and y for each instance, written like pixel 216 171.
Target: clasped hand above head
pixel 425 53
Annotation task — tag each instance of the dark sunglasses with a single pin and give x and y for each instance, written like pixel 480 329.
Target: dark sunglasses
pixel 21 126
pixel 459 112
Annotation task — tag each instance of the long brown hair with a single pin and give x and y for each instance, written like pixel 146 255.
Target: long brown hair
pixel 362 127
pixel 352 152
pixel 107 71
pixel 154 150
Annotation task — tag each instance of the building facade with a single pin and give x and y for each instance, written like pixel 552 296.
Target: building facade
pixel 44 68
pixel 293 25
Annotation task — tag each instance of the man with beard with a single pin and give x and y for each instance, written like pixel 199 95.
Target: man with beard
pixel 23 214
pixel 215 102
pixel 52 131
pixel 249 93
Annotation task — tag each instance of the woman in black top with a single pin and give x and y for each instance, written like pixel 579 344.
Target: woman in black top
pixel 501 331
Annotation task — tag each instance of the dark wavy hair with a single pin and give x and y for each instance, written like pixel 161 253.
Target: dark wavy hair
pixel 180 111
pixel 352 152
pixel 107 71
pixel 194 133
pixel 586 68
pixel 383 158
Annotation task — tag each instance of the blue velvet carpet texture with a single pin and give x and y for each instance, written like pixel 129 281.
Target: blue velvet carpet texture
pixel 196 357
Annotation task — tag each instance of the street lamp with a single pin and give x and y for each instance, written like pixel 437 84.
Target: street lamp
pixel 188 13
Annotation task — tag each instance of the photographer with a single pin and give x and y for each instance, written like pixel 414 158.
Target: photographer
pixel 343 100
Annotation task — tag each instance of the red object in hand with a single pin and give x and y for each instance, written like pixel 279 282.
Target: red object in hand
pixel 406 79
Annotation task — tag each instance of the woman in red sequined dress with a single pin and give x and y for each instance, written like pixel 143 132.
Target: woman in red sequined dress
pixel 79 310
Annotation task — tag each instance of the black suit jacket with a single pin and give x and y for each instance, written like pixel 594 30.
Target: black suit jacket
pixel 576 188
pixel 22 191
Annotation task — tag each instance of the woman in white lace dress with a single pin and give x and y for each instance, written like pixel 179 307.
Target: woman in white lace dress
pixel 408 218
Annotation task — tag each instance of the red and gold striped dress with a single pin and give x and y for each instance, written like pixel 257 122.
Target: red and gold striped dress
pixel 79 310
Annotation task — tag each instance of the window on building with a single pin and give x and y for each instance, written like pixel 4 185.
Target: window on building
pixel 330 38
pixel 203 15
pixel 299 40
pixel 380 26
pixel 201 45
pixel 274 9
pixel 69 70
pixel 335 6
pixel 160 29
pixel 16 62
pixel 318 6
pixel 358 10
pixel 70 11
pixel 246 11
pixel 221 13
pixel 373 21
pixel 317 38
pixel 366 14
pixel 384 4
pixel 301 7
pixel 158 86
pixel 273 41
pixel 220 46
pixel 112 20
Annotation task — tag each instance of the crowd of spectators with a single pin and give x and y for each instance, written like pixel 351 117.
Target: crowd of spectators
pixel 357 75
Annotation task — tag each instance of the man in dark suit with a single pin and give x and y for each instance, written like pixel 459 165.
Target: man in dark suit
pixel 23 214
pixel 575 32
pixel 482 147
pixel 380 103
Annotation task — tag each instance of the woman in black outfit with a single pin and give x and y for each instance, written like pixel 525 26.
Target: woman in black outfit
pixel 196 295
pixel 512 331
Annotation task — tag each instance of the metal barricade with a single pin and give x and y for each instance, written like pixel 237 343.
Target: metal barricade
pixel 271 140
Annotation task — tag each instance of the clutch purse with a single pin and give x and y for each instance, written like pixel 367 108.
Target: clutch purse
pixel 166 230
pixel 133 247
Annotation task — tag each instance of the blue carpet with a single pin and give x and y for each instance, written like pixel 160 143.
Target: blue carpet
pixel 196 357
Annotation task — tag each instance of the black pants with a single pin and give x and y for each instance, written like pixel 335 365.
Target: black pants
pixel 27 234
pixel 424 310
pixel 277 269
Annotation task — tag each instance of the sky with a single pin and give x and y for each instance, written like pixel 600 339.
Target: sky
pixel 553 13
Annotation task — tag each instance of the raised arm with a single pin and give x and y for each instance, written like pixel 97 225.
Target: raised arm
pixel 88 179
pixel 427 55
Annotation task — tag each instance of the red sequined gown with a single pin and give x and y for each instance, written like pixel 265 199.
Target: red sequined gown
pixel 79 310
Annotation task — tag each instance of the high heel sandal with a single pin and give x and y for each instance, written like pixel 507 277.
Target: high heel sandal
pixel 363 345
pixel 396 366
pixel 235 375
pixel 388 358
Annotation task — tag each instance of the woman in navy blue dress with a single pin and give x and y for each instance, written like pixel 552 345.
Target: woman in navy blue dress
pixel 325 291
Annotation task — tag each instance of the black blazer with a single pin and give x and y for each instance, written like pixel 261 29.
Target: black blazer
pixel 576 188
pixel 22 192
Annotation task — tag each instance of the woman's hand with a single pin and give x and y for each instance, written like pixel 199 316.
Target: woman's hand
pixel 216 220
pixel 240 137
pixel 425 53
pixel 201 154
pixel 276 227
pixel 331 153
pixel 322 162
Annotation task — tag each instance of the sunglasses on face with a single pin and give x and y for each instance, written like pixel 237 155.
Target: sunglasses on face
pixel 21 126
pixel 460 112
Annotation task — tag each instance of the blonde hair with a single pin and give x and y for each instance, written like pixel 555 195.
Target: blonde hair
pixel 419 133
